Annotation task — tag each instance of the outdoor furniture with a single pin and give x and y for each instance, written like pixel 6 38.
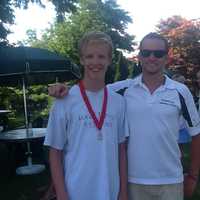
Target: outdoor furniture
pixel 25 136
pixel 4 111
pixel 2 119
pixel 27 66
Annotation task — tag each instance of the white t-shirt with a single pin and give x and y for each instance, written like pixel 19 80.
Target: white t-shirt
pixel 91 166
pixel 154 123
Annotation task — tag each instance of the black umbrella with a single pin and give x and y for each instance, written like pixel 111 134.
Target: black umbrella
pixel 28 66
pixel 35 65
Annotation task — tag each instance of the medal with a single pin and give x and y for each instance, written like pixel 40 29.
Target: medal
pixel 98 123
pixel 99 135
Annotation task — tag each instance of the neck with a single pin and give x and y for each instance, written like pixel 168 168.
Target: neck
pixel 93 85
pixel 153 81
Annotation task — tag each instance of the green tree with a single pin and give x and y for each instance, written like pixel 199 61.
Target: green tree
pixel 7 12
pixel 184 39
pixel 6 17
pixel 91 15
pixel 122 68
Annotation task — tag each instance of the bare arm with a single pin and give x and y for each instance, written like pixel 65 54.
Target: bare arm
pixel 58 90
pixel 56 165
pixel 192 178
pixel 123 194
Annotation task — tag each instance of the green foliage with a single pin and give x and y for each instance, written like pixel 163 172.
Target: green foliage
pixel 90 15
pixel 63 38
pixel 6 17
pixel 184 39
pixel 7 12
pixel 122 70
pixel 38 104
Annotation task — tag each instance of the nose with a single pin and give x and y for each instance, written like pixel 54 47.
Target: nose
pixel 96 60
pixel 152 57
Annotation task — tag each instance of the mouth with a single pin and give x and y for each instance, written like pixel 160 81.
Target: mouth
pixel 95 69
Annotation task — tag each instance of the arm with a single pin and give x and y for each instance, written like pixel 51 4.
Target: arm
pixel 123 194
pixel 58 90
pixel 193 122
pixel 191 178
pixel 56 165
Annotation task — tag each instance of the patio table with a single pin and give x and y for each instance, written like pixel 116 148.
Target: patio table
pixel 26 136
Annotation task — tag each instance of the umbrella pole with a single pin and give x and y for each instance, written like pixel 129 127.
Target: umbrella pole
pixel 29 158
pixel 25 105
pixel 30 168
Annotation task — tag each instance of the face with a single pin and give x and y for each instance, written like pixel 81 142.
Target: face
pixel 95 58
pixel 153 63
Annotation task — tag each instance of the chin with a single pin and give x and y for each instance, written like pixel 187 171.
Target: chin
pixel 97 76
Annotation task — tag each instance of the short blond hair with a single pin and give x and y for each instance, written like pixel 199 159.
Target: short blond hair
pixel 96 36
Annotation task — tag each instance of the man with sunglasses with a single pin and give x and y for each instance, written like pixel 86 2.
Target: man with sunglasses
pixel 154 114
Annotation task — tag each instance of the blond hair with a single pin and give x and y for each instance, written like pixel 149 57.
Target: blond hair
pixel 95 36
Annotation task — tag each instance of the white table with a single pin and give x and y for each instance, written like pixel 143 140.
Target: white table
pixel 25 135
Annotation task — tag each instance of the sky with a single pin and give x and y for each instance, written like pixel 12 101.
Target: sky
pixel 145 15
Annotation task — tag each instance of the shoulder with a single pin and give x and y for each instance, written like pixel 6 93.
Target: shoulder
pixel 114 94
pixel 115 97
pixel 120 85
pixel 134 84
pixel 61 103
pixel 180 87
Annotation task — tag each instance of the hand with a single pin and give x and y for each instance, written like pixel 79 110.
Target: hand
pixel 58 90
pixel 190 183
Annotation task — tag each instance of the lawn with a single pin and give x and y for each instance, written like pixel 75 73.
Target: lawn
pixel 32 187
pixel 18 187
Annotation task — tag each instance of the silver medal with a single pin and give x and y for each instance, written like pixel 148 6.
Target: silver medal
pixel 99 135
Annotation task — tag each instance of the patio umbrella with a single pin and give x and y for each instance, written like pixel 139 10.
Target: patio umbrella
pixel 35 65
pixel 29 66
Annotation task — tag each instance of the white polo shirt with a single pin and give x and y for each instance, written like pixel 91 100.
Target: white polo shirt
pixel 154 121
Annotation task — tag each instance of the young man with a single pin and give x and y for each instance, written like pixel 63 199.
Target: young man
pixel 86 131
pixel 154 110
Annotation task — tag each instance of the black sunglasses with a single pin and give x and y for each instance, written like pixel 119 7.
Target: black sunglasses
pixel 157 53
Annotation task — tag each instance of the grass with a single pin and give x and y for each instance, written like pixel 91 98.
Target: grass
pixel 29 187
pixel 18 187
pixel 32 187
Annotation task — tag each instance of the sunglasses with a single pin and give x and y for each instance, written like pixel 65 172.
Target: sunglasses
pixel 157 53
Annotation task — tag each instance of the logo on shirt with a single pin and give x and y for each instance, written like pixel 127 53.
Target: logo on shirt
pixel 167 102
pixel 87 120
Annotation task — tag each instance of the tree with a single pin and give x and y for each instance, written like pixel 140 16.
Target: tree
pixel 91 15
pixel 6 17
pixel 7 12
pixel 63 37
pixel 122 68
pixel 184 39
